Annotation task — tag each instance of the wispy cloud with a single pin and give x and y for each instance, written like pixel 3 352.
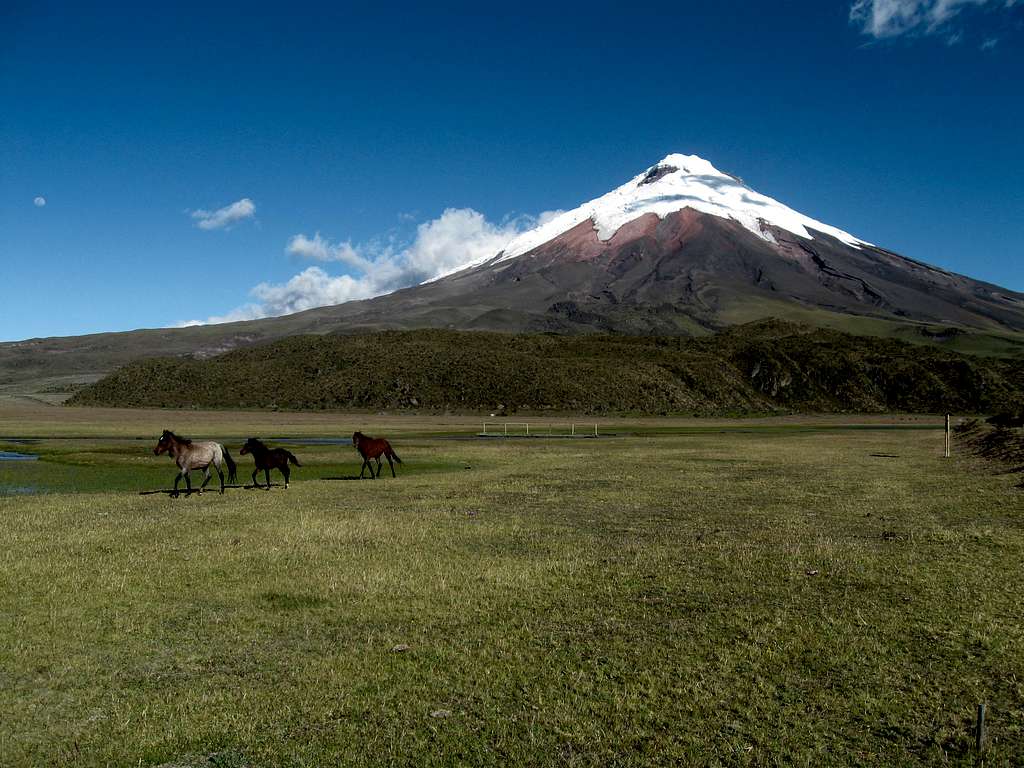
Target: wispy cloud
pixel 989 44
pixel 39 202
pixel 458 237
pixel 319 249
pixel 224 217
pixel 892 18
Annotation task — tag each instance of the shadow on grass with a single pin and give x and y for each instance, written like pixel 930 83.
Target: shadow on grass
pixel 196 492
pixel 186 492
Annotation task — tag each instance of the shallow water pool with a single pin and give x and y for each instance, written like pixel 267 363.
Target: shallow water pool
pixel 12 456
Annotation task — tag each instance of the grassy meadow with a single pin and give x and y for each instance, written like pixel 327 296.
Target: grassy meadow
pixel 792 591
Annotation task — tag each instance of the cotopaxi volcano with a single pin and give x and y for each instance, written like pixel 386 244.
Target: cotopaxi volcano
pixel 683 247
pixel 680 249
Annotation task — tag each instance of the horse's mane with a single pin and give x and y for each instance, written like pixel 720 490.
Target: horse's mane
pixel 255 441
pixel 182 440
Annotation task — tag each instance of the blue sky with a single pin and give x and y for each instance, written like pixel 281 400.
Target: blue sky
pixel 210 161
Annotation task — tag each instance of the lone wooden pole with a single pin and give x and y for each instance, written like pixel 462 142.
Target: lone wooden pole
pixel 979 729
pixel 947 436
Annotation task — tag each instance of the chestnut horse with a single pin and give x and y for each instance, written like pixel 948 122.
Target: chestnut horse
pixel 374 448
pixel 200 455
pixel 268 459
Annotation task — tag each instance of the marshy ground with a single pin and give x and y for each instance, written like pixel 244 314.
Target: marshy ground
pixel 760 592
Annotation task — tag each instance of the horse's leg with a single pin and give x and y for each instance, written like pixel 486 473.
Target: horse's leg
pixel 188 480
pixel 390 464
pixel 206 478
pixel 254 483
pixel 220 474
pixel 363 469
pixel 177 477
pixel 285 471
pixel 266 471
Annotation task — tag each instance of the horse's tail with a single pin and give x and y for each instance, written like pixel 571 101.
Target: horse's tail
pixel 232 476
pixel 292 459
pixel 392 454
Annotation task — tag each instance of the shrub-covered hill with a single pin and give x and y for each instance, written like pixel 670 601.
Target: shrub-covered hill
pixel 763 367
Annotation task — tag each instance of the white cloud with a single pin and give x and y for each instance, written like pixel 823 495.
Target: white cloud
pixel 319 249
pixel 245 312
pixel 226 216
pixel 311 288
pixel 990 43
pixel 39 202
pixel 460 236
pixel 457 238
pixel 891 18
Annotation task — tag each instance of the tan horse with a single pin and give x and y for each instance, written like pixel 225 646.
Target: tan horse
pixel 201 455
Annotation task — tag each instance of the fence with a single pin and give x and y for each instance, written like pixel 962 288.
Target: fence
pixel 525 429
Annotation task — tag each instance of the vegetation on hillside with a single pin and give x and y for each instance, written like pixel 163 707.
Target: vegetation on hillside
pixel 761 367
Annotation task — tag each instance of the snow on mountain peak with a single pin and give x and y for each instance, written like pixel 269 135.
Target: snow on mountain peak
pixel 691 165
pixel 676 182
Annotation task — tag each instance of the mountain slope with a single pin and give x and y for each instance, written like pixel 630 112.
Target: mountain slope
pixel 684 243
pixel 690 264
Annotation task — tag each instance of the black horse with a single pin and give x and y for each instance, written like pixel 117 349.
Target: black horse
pixel 268 459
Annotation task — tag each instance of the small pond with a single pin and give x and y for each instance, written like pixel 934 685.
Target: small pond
pixel 12 456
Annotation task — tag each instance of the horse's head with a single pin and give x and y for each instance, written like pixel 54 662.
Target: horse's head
pixel 164 443
pixel 356 437
pixel 250 445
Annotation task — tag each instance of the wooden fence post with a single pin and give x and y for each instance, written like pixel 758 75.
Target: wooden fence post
pixel 979 729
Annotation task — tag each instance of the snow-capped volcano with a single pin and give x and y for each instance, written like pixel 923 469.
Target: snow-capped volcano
pixel 675 183
pixel 684 248
pixel 681 248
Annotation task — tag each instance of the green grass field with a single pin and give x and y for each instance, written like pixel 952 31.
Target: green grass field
pixel 756 592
